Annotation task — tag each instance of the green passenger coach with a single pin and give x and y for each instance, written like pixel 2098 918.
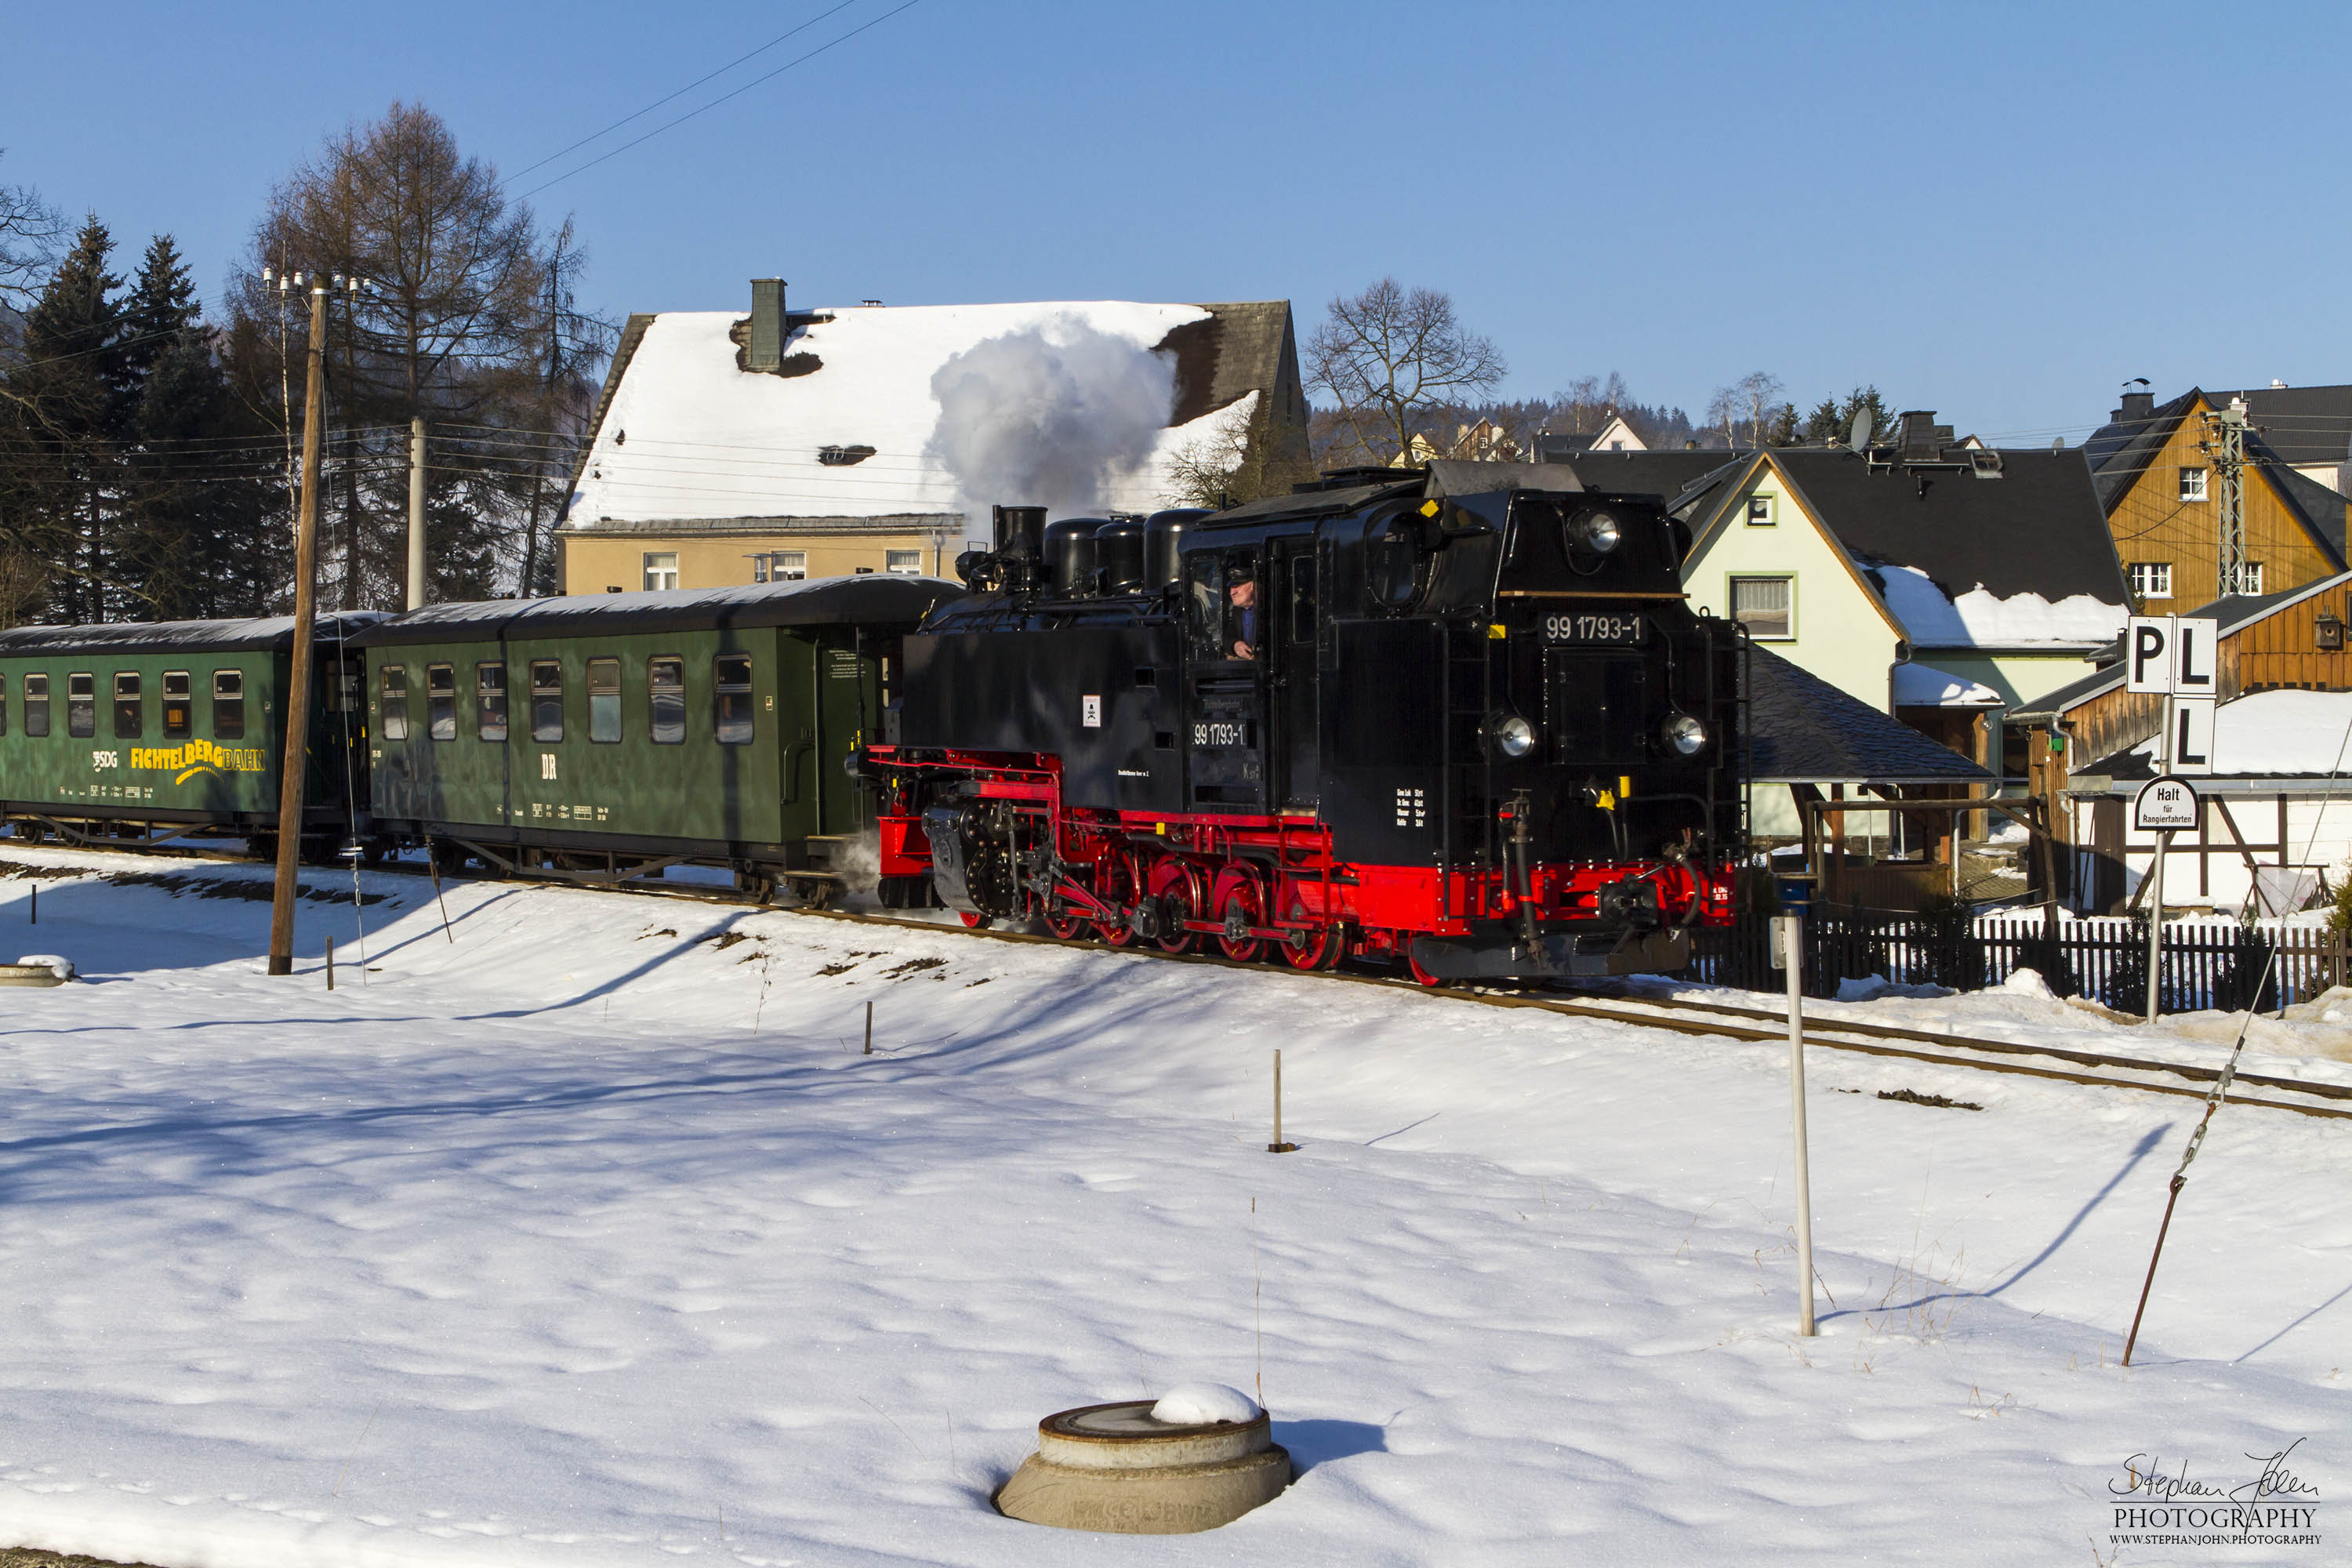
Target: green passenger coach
pixel 602 738
pixel 176 729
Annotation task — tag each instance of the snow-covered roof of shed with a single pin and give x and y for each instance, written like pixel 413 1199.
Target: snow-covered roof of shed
pixel 872 599
pixel 270 632
pixel 687 437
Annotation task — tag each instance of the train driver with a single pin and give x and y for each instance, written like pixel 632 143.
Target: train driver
pixel 1240 591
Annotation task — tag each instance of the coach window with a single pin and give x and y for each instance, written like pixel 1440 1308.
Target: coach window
pixel 666 688
pixel 179 708
pixel 394 683
pixel 229 705
pixel 4 704
pixel 730 678
pixel 81 706
pixel 604 702
pixel 441 701
pixel 129 715
pixel 546 699
pixel 490 700
pixel 36 705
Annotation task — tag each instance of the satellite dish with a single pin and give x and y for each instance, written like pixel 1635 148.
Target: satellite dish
pixel 1858 436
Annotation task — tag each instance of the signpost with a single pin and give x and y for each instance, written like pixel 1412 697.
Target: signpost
pixel 2164 805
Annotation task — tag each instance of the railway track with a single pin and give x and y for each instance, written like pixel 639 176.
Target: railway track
pixel 1702 1020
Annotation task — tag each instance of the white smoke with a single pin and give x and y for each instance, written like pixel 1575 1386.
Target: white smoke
pixel 1059 416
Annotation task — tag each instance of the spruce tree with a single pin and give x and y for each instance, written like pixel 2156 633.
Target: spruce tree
pixel 67 408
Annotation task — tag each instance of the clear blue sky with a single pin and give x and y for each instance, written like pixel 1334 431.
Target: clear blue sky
pixel 1996 212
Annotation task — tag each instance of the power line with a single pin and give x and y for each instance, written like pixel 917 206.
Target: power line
pixel 689 114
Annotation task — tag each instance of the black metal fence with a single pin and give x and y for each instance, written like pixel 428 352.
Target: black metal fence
pixel 2201 964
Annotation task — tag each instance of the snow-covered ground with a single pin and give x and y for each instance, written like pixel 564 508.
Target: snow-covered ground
pixel 590 1236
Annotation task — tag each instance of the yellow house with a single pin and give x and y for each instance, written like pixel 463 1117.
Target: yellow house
pixel 2156 468
pixel 787 444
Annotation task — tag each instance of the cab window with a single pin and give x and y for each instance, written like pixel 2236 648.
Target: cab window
pixel 392 692
pixel 229 705
pixel 179 707
pixel 1392 563
pixel 441 701
pixel 1205 604
pixel 604 701
pixel 546 699
pixel 666 692
pixel 730 678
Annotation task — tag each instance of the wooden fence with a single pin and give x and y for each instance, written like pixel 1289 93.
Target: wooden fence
pixel 2202 964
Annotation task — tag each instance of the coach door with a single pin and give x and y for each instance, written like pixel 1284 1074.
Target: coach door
pixel 1291 679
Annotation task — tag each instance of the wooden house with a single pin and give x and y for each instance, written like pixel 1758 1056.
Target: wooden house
pixel 2155 469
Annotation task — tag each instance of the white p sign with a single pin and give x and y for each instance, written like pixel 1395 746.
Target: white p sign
pixel 2164 655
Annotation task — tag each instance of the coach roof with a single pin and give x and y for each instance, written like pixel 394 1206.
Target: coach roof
pixel 870 599
pixel 272 633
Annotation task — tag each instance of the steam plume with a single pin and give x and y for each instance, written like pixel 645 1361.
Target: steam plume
pixel 1054 416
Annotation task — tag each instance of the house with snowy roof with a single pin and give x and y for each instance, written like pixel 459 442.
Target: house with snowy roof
pixel 728 448
pixel 2155 467
pixel 1934 582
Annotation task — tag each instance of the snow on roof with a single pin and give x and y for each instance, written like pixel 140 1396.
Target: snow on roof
pixel 688 436
pixel 1981 619
pixel 2273 732
pixel 1924 686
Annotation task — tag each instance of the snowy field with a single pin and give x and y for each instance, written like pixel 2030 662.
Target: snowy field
pixel 591 1237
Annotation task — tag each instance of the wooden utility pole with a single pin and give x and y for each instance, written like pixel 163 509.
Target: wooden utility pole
pixel 416 514
pixel 295 773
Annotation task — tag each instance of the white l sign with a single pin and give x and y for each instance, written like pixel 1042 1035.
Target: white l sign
pixel 2189 734
pixel 2165 654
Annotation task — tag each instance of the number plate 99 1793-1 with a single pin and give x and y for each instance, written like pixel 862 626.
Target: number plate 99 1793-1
pixel 1587 626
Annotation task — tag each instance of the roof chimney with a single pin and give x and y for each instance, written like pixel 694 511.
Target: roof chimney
pixel 1922 436
pixel 2140 405
pixel 766 349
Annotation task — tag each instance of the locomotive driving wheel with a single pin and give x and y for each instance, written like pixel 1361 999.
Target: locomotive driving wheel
pixel 1178 889
pixel 1063 925
pixel 1320 950
pixel 1240 907
pixel 1118 887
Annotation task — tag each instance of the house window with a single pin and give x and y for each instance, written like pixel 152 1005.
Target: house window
pixel 129 710
pixel 732 682
pixel 392 692
pixel 788 565
pixel 546 699
pixel 2192 484
pixel 2151 579
pixel 36 705
pixel 665 685
pixel 661 570
pixel 179 711
pixel 2250 580
pixel 490 700
pixel 441 701
pixel 229 705
pixel 1759 511
pixel 1766 606
pixel 906 561
pixel 604 702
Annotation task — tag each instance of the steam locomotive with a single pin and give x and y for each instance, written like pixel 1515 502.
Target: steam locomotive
pixel 1474 730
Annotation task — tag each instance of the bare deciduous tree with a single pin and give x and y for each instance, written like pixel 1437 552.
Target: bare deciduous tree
pixel 30 233
pixel 1754 400
pixel 1390 357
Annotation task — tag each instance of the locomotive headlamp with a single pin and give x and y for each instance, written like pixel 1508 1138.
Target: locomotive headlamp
pixel 1513 736
pixel 1597 532
pixel 1685 734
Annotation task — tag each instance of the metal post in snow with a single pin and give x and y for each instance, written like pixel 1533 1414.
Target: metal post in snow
pixel 1278 1146
pixel 2156 920
pixel 330 963
pixel 869 1028
pixel 1788 937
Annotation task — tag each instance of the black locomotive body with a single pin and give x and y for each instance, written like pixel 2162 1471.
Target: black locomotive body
pixel 1474 730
